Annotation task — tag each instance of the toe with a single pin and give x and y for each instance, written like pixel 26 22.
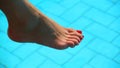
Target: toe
pixel 79 34
pixel 76 34
pixel 74 37
pixel 70 30
pixel 74 42
pixel 70 44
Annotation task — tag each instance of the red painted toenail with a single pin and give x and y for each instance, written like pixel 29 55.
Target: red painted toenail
pixel 79 31
pixel 82 38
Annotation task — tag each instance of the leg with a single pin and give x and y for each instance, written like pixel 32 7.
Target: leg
pixel 27 24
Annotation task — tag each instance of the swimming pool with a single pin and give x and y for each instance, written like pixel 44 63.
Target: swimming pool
pixel 98 19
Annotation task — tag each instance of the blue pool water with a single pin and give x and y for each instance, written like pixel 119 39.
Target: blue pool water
pixel 98 19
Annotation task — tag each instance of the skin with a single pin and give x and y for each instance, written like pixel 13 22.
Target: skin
pixel 27 24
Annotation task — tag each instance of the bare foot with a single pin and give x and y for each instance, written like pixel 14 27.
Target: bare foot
pixel 27 24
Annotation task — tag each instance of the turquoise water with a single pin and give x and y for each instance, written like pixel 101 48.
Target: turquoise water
pixel 98 19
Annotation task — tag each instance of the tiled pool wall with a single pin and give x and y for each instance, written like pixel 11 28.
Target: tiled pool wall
pixel 98 19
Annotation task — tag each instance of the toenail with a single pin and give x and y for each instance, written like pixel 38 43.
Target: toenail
pixel 79 31
pixel 82 37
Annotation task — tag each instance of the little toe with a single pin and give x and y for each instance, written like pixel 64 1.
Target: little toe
pixel 74 40
pixel 70 44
